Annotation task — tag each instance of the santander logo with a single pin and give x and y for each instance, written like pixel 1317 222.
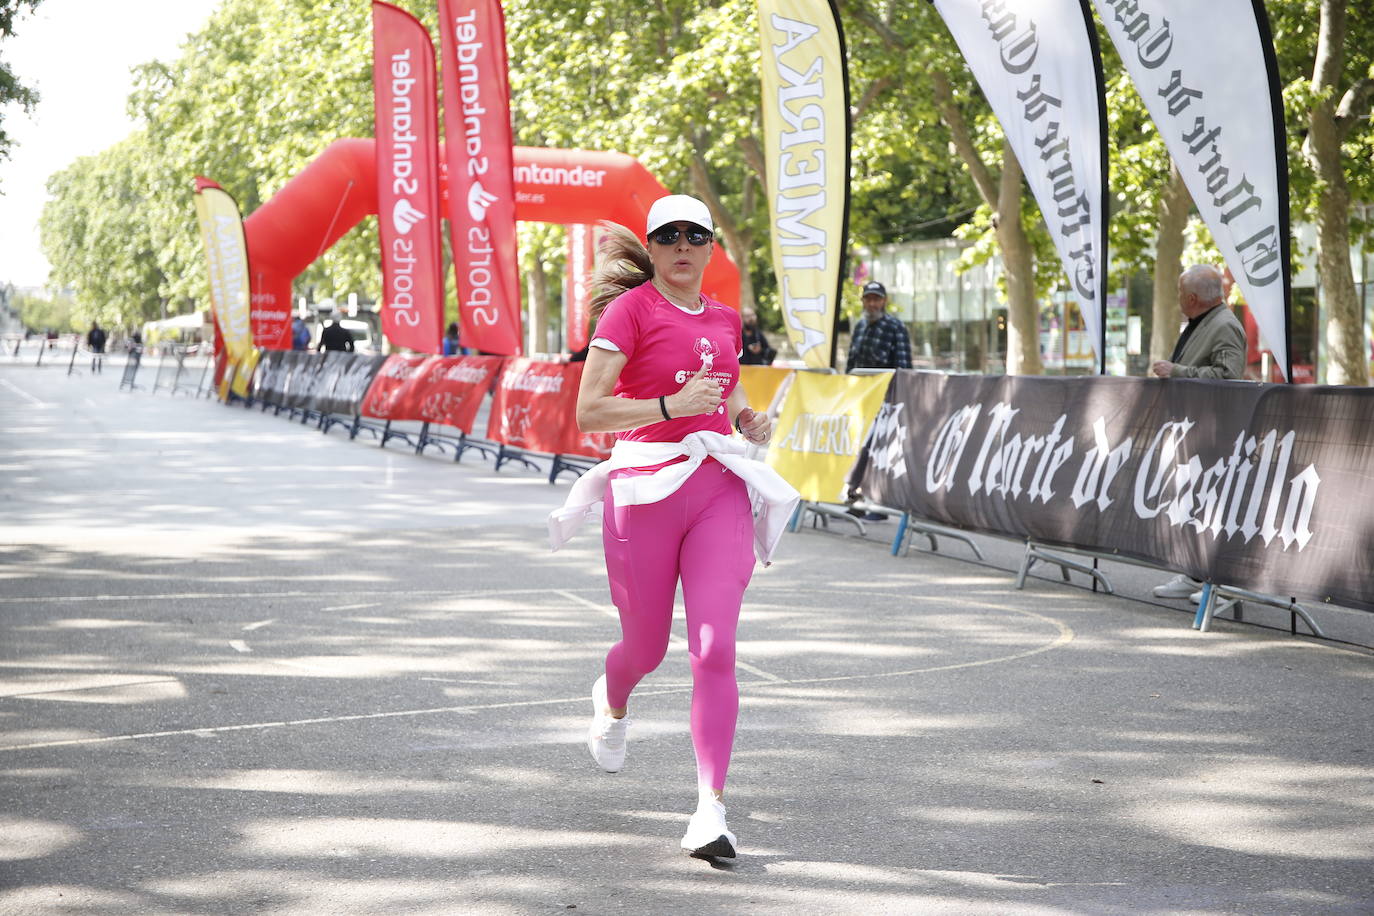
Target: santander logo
pixel 479 199
pixel 404 216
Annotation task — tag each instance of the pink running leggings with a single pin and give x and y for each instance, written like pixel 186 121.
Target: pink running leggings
pixel 703 534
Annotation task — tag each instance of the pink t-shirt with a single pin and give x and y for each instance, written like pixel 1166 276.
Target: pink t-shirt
pixel 664 347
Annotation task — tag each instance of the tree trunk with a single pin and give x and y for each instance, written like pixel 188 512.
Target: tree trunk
pixel 1018 262
pixel 1003 194
pixel 1345 340
pixel 1174 206
pixel 537 299
pixel 738 242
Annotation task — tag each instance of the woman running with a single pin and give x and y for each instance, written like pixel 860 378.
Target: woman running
pixel 681 500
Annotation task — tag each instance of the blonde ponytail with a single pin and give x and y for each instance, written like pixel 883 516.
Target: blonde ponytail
pixel 622 263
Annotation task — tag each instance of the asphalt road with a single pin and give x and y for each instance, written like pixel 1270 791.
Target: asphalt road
pixel 249 668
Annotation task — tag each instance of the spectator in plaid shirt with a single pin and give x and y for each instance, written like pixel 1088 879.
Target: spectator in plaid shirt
pixel 880 341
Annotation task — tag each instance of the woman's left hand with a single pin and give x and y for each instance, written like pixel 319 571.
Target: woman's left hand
pixel 755 426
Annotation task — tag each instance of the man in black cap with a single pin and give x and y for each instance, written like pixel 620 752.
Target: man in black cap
pixel 880 341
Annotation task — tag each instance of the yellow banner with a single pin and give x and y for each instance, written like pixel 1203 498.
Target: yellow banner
pixel 226 256
pixel 820 429
pixel 806 147
pixel 761 384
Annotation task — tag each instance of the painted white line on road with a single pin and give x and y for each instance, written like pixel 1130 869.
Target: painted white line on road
pixel 259 625
pixel 239 645
pixel 1064 636
pixel 352 607
pixel 259 596
pixel 327 720
pixel 23 394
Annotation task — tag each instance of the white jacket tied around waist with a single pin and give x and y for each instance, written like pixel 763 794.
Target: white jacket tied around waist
pixel 772 498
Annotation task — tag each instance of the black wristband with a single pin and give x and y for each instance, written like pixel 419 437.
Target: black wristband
pixel 663 407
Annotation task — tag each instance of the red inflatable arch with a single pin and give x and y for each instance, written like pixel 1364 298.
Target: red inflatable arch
pixel 338 189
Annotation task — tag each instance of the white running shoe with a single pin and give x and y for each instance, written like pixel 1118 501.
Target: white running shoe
pixel 707 834
pixel 1179 586
pixel 606 735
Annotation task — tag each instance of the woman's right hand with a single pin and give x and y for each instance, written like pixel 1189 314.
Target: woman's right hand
pixel 701 395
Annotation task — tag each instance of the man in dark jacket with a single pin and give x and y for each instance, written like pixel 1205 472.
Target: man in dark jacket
pixel 757 351
pixel 335 336
pixel 95 341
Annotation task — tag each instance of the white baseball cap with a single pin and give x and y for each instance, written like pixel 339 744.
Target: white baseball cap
pixel 678 208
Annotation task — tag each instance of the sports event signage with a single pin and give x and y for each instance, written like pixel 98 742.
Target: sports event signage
pixel 534 408
pixel 1037 62
pixel 226 259
pixel 481 173
pixel 1220 113
pixel 1259 486
pixel 806 150
pixel 407 124
pixel 820 430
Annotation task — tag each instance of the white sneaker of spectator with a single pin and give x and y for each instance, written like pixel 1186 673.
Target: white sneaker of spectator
pixel 1179 586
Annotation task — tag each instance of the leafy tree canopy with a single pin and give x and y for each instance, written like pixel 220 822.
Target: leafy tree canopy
pixel 11 90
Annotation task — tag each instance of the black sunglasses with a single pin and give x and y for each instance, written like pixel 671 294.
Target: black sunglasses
pixel 668 235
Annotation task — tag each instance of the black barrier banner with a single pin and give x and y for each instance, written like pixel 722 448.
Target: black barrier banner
pixel 300 381
pixel 269 383
pixel 345 380
pixel 332 382
pixel 1264 487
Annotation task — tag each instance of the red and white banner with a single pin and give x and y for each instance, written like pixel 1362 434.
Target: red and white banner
pixel 390 388
pixel 407 125
pixel 481 184
pixel 433 389
pixel 535 408
pixel 577 295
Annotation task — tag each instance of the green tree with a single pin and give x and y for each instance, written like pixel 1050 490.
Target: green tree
pixel 673 83
pixel 11 90
pixel 42 313
pixel 1332 110
pixel 99 238
pixel 914 35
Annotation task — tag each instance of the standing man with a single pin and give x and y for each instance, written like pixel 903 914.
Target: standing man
pixel 1212 346
pixel 757 351
pixel 300 334
pixel 95 340
pixel 335 336
pixel 880 341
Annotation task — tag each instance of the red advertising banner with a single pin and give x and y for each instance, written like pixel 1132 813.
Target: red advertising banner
pixel 271 319
pixel 481 175
pixel 407 125
pixel 535 408
pixel 578 294
pixel 393 386
pixel 453 389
